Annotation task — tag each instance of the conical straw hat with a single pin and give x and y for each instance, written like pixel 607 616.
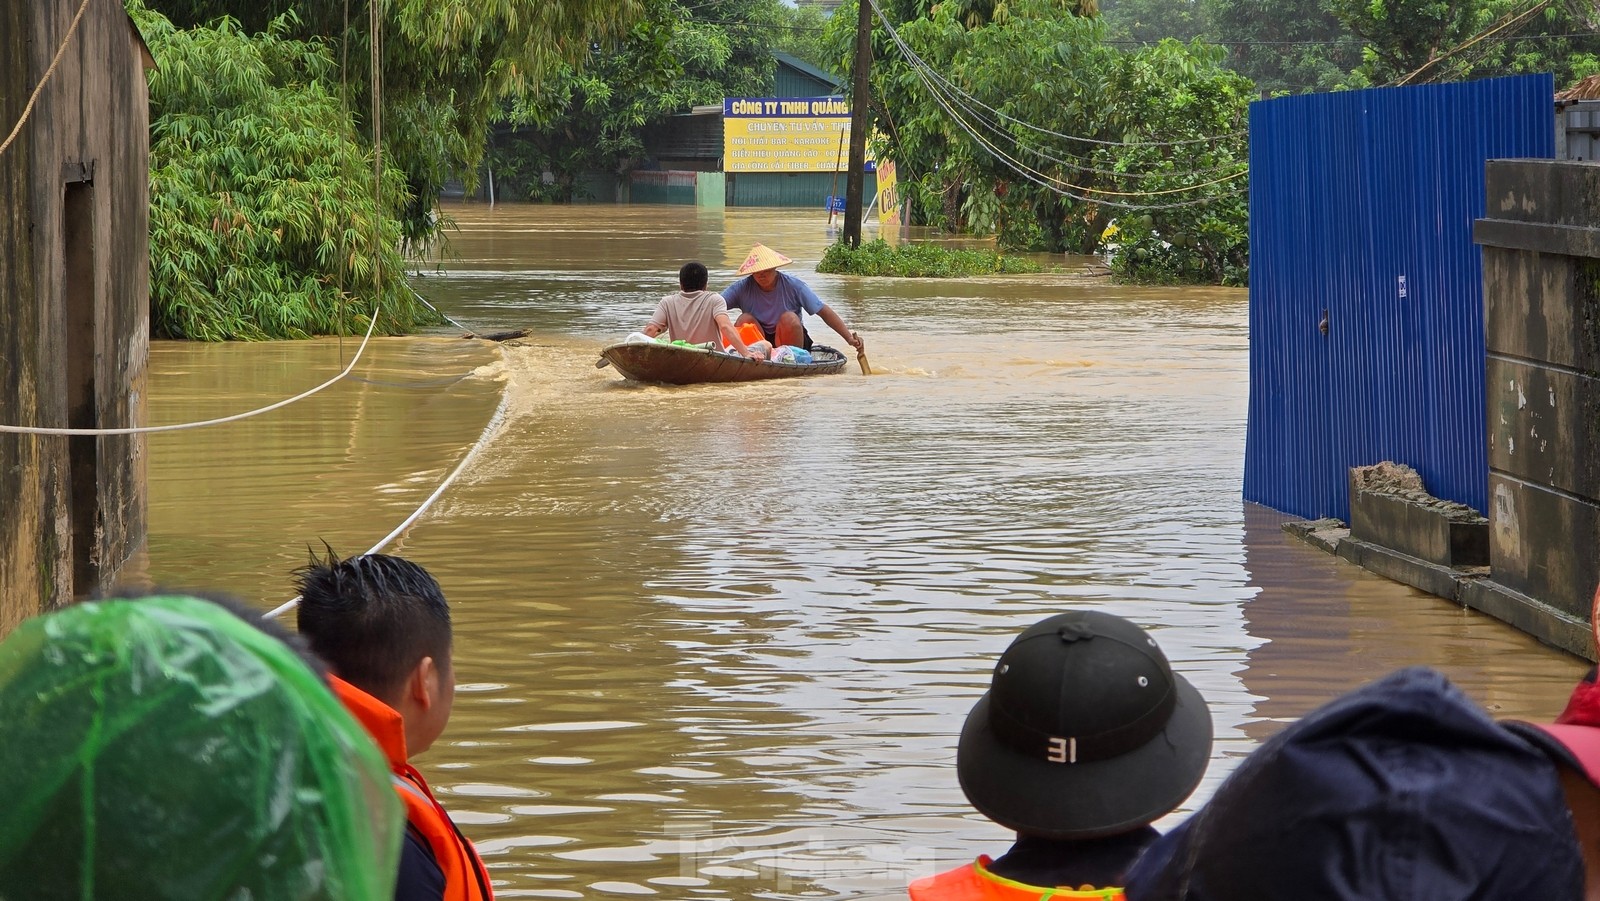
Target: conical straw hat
pixel 762 257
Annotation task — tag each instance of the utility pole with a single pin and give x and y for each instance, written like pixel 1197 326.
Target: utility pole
pixel 858 126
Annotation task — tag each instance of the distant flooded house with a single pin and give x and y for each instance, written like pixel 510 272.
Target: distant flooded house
pixel 74 313
pixel 718 155
pixel 729 154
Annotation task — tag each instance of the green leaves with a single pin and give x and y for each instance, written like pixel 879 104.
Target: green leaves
pixel 261 203
pixel 593 116
pixel 1156 127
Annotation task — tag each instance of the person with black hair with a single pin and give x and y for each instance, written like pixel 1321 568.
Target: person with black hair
pixel 696 315
pixel 383 626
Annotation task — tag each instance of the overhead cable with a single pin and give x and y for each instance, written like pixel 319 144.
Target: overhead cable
pixel 1067 189
pixel 1234 168
pixel 910 54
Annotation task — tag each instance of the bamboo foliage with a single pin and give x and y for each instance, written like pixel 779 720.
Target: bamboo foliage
pixel 261 195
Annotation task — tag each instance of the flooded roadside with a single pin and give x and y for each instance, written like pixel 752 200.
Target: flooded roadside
pixel 718 641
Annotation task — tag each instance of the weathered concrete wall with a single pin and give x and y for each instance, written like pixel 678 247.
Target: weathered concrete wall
pixel 1542 329
pixel 74 332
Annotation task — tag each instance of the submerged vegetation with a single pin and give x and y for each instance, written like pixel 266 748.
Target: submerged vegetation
pixel 920 261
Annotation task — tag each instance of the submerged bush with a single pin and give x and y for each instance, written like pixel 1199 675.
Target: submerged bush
pixel 261 200
pixel 919 261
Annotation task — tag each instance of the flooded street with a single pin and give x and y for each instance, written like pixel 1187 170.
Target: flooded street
pixel 719 641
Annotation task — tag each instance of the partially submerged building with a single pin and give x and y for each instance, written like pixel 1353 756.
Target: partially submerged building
pixel 74 313
pixel 690 156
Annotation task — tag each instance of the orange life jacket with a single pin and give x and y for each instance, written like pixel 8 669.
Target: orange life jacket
pixel 465 878
pixel 974 882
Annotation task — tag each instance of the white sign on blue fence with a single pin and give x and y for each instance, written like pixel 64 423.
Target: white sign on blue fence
pixel 1402 287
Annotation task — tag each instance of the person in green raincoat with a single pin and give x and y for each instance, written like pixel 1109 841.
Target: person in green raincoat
pixel 167 747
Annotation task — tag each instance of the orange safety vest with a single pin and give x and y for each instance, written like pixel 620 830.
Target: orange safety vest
pixel 465 878
pixel 974 882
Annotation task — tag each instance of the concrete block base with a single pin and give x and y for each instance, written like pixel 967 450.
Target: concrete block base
pixel 1542 621
pixel 1443 581
pixel 1469 586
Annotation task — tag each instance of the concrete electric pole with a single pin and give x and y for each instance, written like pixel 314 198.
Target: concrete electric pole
pixel 858 126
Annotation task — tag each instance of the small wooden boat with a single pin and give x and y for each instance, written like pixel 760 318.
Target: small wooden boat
pixel 676 364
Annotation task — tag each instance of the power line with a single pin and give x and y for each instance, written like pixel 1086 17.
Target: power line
pixel 916 61
pixel 1042 179
pixel 1000 132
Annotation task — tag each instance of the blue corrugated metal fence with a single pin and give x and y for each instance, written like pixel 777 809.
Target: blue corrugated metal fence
pixel 1361 210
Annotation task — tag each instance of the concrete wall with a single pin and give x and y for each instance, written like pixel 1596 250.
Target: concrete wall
pixel 1541 262
pixel 74 314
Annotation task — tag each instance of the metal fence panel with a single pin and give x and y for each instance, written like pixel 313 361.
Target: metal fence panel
pixel 1361 210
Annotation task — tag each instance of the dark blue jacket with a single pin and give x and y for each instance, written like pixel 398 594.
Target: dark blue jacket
pixel 1403 789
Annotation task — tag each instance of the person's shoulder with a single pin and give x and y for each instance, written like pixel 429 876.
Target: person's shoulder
pixel 421 878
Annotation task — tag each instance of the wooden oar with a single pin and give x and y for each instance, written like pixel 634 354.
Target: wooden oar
pixel 861 357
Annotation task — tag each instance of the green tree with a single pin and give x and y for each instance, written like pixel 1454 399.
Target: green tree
pixel 1401 36
pixel 448 67
pixel 1149 21
pixel 594 117
pixel 1416 41
pixel 262 214
pixel 1149 127
pixel 1285 45
pixel 801 31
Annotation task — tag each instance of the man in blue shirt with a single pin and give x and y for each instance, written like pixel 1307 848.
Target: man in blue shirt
pixel 774 300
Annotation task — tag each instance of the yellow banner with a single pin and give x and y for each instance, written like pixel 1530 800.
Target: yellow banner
pixel 786 145
pixel 785 134
pixel 888 194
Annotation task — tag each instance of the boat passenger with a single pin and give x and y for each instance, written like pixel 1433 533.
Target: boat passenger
pixel 1085 737
pixel 383 626
pixel 1401 789
pixel 177 747
pixel 696 315
pixel 774 301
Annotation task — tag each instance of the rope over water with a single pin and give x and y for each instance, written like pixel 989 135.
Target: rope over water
pixel 483 441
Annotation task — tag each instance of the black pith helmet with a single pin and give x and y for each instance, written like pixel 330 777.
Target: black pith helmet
pixel 1085 732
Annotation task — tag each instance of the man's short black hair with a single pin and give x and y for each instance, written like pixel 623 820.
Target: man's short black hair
pixel 693 276
pixel 373 618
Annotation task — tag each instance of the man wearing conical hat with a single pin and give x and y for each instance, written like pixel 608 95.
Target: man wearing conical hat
pixel 774 301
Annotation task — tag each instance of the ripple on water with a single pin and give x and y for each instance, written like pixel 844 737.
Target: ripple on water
pixel 725 637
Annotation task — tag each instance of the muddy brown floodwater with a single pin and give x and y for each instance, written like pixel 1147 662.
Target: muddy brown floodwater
pixel 718 642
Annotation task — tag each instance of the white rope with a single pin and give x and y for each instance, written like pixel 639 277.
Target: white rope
pixel 33 98
pixel 175 427
pixel 442 313
pixel 483 441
